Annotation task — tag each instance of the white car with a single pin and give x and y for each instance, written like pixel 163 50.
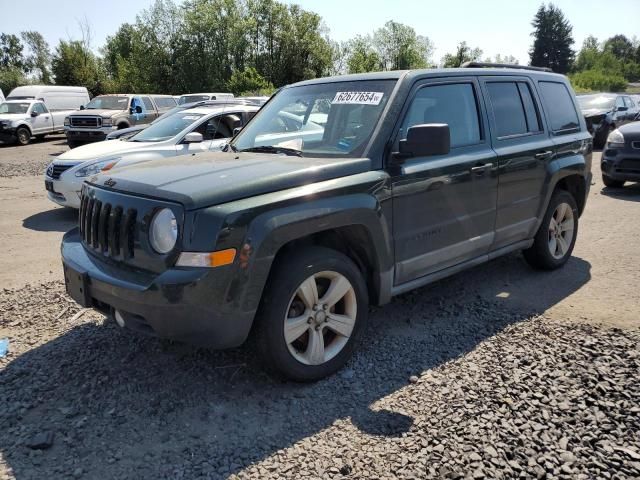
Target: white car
pixel 185 132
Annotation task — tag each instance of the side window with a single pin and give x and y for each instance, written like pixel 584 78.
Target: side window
pixel 219 127
pixel 39 108
pixel 619 102
pixel 513 107
pixel 147 103
pixel 454 104
pixel 135 102
pixel 628 102
pixel 559 107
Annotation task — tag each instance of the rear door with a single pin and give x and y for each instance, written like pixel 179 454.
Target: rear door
pixel 150 111
pixel 524 150
pixel 444 207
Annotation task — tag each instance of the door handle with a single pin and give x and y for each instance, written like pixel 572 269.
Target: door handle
pixel 480 169
pixel 543 155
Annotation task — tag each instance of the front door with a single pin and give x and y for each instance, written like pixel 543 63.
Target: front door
pixel 42 123
pixel 444 207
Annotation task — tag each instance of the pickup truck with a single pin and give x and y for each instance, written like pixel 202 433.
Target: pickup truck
pixel 20 120
pixel 287 236
pixel 107 113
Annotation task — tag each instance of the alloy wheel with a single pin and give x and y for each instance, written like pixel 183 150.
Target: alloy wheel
pixel 561 229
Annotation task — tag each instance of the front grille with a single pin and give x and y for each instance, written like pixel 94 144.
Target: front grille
pixel 107 229
pixel 628 165
pixel 87 122
pixel 58 170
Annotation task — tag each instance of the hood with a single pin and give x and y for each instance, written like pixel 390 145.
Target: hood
pixel 96 112
pixel 13 116
pixel 215 178
pixel 101 150
pixel 594 112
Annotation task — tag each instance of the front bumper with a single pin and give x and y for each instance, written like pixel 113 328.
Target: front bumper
pixel 7 134
pixel 185 304
pixel 87 135
pixel 65 193
pixel 621 163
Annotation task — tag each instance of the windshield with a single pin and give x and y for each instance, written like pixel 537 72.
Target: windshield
pixel 166 128
pixel 108 103
pixel 588 102
pixel 327 120
pixel 193 98
pixel 14 107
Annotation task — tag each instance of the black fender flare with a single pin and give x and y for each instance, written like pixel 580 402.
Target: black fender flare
pixel 270 231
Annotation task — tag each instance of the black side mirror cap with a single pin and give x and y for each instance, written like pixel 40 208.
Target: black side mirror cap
pixel 34 114
pixel 138 109
pixel 81 107
pixel 425 140
pixel 622 109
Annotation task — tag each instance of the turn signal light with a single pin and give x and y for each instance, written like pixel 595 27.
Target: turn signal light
pixel 207 259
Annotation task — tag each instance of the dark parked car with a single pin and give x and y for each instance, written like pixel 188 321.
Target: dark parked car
pixel 621 156
pixel 605 112
pixel 293 232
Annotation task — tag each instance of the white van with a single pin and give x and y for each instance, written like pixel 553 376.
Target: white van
pixel 199 97
pixel 56 98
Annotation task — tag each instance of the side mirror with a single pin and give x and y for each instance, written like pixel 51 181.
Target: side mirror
pixel 622 109
pixel 81 107
pixel 193 137
pixel 236 131
pixel 138 109
pixel 34 114
pixel 425 140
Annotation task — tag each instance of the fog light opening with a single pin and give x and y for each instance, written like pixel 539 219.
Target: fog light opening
pixel 119 318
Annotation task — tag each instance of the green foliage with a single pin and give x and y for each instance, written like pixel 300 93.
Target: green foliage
pixel 38 61
pixel 598 81
pixel 73 63
pixel 392 47
pixel 249 82
pixel 11 55
pixel 553 39
pixel 10 78
pixel 464 53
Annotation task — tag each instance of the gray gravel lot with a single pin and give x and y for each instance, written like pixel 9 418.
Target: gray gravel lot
pixel 17 161
pixel 498 372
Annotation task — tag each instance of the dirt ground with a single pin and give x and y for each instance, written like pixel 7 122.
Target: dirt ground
pixel 600 284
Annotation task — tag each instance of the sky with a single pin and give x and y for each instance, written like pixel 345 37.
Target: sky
pixel 495 26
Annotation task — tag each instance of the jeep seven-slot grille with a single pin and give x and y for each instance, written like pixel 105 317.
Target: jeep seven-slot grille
pixel 107 229
pixel 58 170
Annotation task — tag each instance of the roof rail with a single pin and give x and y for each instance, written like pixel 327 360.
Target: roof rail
pixel 504 65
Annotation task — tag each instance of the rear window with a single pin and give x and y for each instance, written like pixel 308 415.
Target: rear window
pixel 559 107
pixel 165 102
pixel 513 107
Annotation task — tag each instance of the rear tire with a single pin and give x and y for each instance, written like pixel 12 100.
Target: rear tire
pixel 556 237
pixel 23 136
pixel 298 338
pixel 611 183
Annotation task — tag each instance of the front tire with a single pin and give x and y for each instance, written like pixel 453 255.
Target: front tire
pixel 556 237
pixel 312 313
pixel 611 183
pixel 23 136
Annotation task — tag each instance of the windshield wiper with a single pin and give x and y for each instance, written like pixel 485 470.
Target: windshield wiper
pixel 273 149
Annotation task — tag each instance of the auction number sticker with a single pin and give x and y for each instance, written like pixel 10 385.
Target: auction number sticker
pixel 357 98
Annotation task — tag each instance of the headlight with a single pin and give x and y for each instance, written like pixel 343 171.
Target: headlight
pixel 67 122
pixel 95 168
pixel 107 122
pixel 616 137
pixel 163 232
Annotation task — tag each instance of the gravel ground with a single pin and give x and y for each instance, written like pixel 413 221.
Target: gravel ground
pixel 18 161
pixel 462 390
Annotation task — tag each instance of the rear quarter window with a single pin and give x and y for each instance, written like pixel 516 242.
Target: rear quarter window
pixel 558 104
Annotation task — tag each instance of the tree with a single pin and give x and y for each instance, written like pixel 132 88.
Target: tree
pixel 399 48
pixel 362 56
pixel 249 82
pixel 508 59
pixel 39 59
pixel 552 40
pixel 464 53
pixel 74 64
pixel 11 55
pixel 620 47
